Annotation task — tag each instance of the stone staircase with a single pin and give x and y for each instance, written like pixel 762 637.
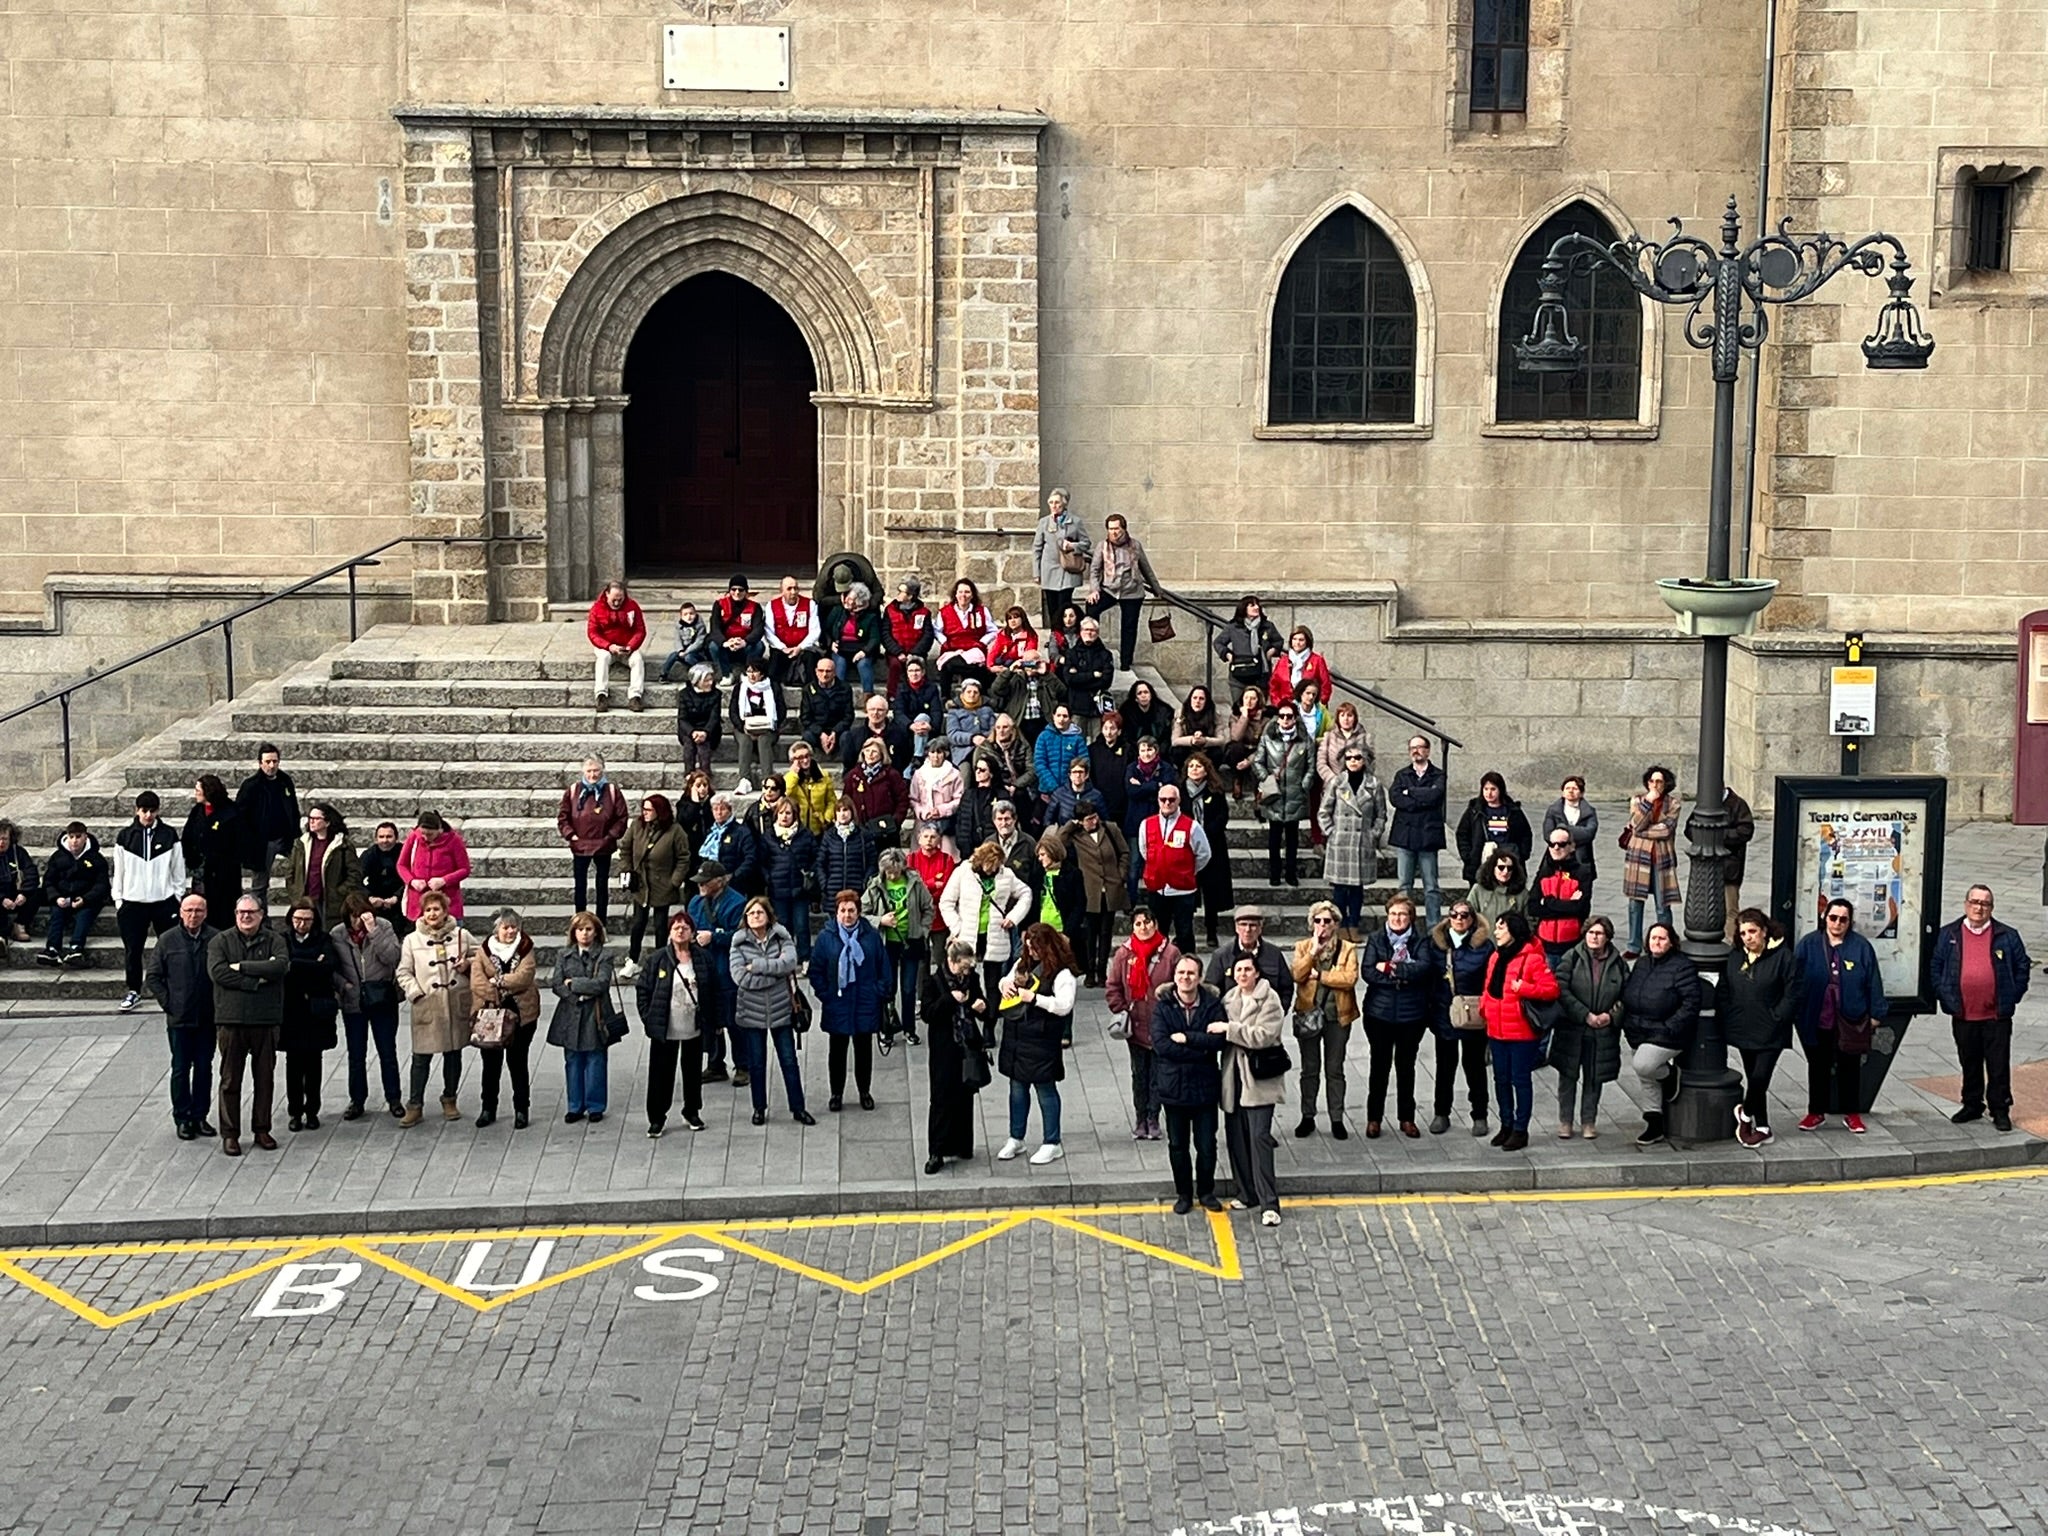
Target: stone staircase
pixel 484 724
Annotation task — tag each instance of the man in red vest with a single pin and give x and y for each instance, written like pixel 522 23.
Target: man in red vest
pixel 736 628
pixel 1174 850
pixel 792 634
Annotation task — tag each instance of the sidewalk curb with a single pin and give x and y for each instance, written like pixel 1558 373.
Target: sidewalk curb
pixel 1615 1173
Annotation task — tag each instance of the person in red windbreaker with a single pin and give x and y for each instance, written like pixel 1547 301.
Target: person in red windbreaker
pixel 1518 974
pixel 618 632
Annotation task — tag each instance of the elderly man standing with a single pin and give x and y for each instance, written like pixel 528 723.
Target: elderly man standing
pixel 177 978
pixel 618 632
pixel 591 819
pixel 1981 972
pixel 247 966
pixel 1250 943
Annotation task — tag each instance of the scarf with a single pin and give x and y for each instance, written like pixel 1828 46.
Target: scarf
pixel 1497 973
pixel 850 955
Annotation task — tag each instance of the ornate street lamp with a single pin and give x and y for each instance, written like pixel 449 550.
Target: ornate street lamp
pixel 1727 294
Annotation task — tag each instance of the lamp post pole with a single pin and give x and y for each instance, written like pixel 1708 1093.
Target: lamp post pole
pixel 1727 293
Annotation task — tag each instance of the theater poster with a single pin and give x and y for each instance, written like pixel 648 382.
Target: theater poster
pixel 1876 843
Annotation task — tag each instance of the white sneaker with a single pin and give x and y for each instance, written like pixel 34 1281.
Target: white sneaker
pixel 629 970
pixel 1010 1149
pixel 744 787
pixel 131 1002
pixel 1051 1152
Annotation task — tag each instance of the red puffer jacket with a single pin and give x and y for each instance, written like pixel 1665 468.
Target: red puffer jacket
pixel 1530 971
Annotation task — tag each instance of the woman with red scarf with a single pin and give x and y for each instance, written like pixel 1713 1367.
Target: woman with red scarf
pixel 1142 964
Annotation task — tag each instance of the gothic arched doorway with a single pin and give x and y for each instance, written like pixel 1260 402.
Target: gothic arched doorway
pixel 721 435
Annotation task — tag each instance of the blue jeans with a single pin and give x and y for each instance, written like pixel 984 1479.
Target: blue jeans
pixel 750 1049
pixel 70 925
pixel 1048 1109
pixel 589 1081
pixel 191 1074
pixel 1408 862
pixel 380 1024
pixel 1514 1064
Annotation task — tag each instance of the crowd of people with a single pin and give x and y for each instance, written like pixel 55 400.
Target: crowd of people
pixel 964 831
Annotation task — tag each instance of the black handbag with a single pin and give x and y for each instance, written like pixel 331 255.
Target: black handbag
pixel 1269 1061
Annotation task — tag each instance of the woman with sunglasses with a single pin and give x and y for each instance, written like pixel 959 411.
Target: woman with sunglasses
pixel 1841 1000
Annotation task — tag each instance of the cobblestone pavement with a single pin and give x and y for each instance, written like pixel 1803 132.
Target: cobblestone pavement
pixel 1843 1362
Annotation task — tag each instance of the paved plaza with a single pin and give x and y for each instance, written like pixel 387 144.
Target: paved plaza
pixel 1793 1363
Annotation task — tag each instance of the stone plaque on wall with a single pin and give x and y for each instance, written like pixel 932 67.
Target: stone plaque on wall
pixel 715 58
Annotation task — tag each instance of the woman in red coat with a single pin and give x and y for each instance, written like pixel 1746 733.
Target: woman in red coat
pixel 1300 663
pixel 1518 974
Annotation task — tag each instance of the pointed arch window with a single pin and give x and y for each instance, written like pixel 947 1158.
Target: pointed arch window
pixel 1344 329
pixel 1606 313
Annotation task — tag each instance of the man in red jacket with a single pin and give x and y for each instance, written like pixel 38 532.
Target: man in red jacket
pixel 618 630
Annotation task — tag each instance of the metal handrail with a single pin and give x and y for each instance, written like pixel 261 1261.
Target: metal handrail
pixel 1372 697
pixel 61 696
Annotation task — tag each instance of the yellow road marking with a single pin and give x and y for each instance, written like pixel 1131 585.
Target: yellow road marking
pixel 379 1249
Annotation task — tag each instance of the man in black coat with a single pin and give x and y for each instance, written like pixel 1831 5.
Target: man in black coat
pixel 1251 943
pixel 268 807
pixel 177 978
pixel 1416 835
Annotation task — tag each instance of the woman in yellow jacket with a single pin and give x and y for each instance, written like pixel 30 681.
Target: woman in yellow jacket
pixel 1325 995
pixel 811 788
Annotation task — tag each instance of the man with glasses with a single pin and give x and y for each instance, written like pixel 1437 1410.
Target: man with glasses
pixel 1174 850
pixel 1981 971
pixel 1417 795
pixel 1463 1043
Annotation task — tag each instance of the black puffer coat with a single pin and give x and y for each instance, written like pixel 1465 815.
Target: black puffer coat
pixel 1759 998
pixel 1660 1001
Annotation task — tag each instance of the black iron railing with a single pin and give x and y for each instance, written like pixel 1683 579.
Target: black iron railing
pixel 225 624
pixel 1371 698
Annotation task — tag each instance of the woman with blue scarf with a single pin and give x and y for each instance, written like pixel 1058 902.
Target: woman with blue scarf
pixel 851 979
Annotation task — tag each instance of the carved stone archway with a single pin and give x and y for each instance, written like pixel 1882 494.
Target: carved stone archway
pixel 904 247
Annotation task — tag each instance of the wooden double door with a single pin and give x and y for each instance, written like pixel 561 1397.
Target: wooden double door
pixel 721 436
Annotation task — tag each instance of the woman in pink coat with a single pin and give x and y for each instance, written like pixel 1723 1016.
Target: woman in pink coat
pixel 434 858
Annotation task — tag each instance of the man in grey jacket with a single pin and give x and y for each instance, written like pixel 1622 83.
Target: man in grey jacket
pixel 1060 533
pixel 247 965
pixel 177 978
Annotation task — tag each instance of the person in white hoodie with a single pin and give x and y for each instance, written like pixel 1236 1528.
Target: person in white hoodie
pixel 148 880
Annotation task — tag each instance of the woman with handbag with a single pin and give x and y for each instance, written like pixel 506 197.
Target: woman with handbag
pixel 958 1018
pixel 653 860
pixel 308 1028
pixel 1255 1066
pixel 1585 1048
pixel 588 1021
pixel 506 993
pixel 1141 966
pixel 1326 968
pixel 763 964
pixel 1518 978
pixel 1460 1026
pixel 1841 1000
pixel 1403 981
pixel 1036 1017
pixel 672 992
pixel 1190 1082
pixel 366 956
pixel 433 972
pixel 1660 1004
pixel 851 980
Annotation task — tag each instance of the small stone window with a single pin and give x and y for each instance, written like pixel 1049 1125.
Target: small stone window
pixel 1344 329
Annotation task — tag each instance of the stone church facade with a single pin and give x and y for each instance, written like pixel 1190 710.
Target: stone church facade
pixel 289 282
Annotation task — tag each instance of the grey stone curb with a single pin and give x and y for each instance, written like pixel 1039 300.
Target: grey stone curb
pixel 1619 1172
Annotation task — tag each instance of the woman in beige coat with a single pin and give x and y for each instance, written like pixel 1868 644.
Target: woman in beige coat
pixel 502 974
pixel 1253 1022
pixel 433 972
